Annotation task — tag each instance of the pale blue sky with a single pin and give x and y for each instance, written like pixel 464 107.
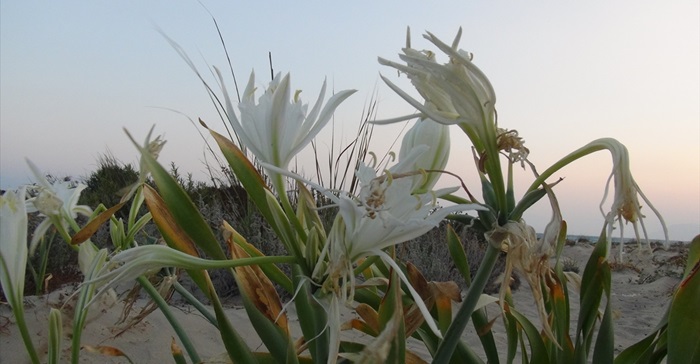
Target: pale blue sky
pixel 74 73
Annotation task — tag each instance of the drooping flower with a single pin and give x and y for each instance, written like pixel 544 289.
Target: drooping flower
pixel 457 92
pixel 625 205
pixel 57 201
pixel 510 142
pixel 437 138
pixel 529 256
pixel 13 245
pixel 275 129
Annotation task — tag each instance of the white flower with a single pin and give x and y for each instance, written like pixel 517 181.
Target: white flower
pixel 625 205
pixel 13 245
pixel 437 138
pixel 386 212
pixel 57 201
pixel 275 129
pixel 457 92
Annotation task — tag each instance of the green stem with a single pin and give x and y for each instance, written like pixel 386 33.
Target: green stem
pixel 56 221
pixel 165 309
pixel 22 325
pixel 189 297
pixel 278 182
pixel 454 332
pixel 486 144
pixel 579 153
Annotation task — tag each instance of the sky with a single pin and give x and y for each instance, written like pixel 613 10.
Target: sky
pixel 74 74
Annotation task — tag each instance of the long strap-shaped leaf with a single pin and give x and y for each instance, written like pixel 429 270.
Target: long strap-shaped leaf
pixel 186 225
pixel 454 332
pixel 683 323
pixel 259 194
pixel 595 278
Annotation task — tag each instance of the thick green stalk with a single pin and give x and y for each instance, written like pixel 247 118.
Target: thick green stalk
pixel 293 247
pixel 165 309
pixel 454 332
pixel 579 153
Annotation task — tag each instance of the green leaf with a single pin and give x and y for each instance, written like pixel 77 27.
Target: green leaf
pixel 538 352
pixel 640 352
pixel 605 342
pixel 693 255
pixel 172 233
pixel 182 209
pixel 312 317
pixel 447 347
pixel 235 346
pixel 526 202
pixel 481 323
pixel 391 322
pixel 459 256
pixel 683 321
pixel 596 278
pixel 55 336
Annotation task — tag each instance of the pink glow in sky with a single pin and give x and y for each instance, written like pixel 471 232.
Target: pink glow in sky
pixel 74 73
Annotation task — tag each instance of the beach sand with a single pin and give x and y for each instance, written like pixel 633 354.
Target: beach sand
pixel 642 287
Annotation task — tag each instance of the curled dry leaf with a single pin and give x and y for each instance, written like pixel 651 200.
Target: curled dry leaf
pixel 254 282
pixel 106 351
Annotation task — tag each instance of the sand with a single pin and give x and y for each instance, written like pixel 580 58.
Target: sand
pixel 642 287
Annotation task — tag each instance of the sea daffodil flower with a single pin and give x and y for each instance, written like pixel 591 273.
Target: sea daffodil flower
pixel 625 205
pixel 457 92
pixel 275 129
pixel 13 259
pixel 386 212
pixel 58 202
pixel 13 245
pixel 529 256
pixel 437 137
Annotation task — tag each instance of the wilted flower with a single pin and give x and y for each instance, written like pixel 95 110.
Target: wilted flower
pixel 13 245
pixel 509 141
pixel 437 138
pixel 57 201
pixel 529 256
pixel 625 205
pixel 274 128
pixel 457 92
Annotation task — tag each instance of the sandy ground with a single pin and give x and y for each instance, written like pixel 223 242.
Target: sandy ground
pixel 642 287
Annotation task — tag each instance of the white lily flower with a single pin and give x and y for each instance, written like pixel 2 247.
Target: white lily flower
pixel 13 245
pixel 625 205
pixel 457 92
pixel 437 137
pixel 57 201
pixel 388 213
pixel 275 129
